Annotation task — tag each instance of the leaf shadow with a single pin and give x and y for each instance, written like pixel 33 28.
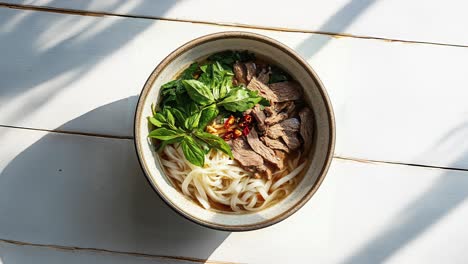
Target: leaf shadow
pixel 91 192
pixel 58 49
pixel 336 23
pixel 445 194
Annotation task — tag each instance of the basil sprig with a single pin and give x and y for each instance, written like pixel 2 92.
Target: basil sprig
pixel 192 101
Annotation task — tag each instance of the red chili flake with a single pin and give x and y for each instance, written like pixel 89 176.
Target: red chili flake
pixel 228 135
pixel 248 119
pixel 229 122
pixel 237 133
pixel 246 131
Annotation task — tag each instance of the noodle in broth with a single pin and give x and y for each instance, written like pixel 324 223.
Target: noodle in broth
pixel 223 181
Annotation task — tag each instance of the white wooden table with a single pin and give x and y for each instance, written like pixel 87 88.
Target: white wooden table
pixel 71 189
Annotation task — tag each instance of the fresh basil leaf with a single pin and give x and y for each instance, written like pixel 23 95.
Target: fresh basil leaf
pixel 154 121
pixel 189 72
pixel 205 77
pixel 215 91
pixel 169 117
pixel 192 121
pixel 225 87
pixel 160 117
pixel 183 100
pixel 214 142
pixel 170 84
pixel 153 109
pixel 198 91
pixel 218 73
pixel 204 68
pixel 191 108
pixel 164 134
pixel 169 100
pixel 240 100
pixel 164 143
pixel 179 117
pixel 207 115
pixel 206 149
pixel 193 152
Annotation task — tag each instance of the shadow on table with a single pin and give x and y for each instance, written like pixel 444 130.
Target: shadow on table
pixel 447 193
pixel 90 192
pixel 58 49
pixel 337 23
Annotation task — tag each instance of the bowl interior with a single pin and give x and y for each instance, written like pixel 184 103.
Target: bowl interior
pixel 319 156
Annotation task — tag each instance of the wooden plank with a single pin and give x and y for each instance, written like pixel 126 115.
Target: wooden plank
pixel 393 101
pixel 23 254
pixel 430 21
pixel 90 192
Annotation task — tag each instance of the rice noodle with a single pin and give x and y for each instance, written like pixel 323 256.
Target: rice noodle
pixel 223 181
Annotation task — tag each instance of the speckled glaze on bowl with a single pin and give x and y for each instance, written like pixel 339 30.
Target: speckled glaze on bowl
pixel 319 158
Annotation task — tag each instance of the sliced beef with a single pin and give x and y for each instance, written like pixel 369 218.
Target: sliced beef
pixel 278 107
pixel 264 76
pixel 251 70
pixel 259 115
pixel 248 158
pixel 279 130
pixel 240 73
pixel 286 91
pixel 270 110
pixel 292 140
pixel 276 118
pixel 281 155
pixel 263 89
pixel 291 109
pixel 264 151
pixel 307 126
pixel 276 144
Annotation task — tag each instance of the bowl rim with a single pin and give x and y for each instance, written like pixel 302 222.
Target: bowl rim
pixel 242 35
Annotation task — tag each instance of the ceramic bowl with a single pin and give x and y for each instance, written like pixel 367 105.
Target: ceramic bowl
pixel 319 158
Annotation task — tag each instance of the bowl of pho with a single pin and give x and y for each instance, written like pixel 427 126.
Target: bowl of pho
pixel 234 131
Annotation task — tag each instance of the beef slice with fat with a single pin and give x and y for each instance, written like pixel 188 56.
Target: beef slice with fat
pixel 261 149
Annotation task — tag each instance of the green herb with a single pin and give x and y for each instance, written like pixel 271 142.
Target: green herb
pixel 192 121
pixel 174 89
pixel 154 121
pixel 208 114
pixel 240 99
pixel 165 134
pixel 192 101
pixel 199 92
pixel 229 57
pixel 193 152
pixel 214 142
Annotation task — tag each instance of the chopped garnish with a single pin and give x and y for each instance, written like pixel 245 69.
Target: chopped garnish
pixel 237 133
pixel 229 122
pixel 246 131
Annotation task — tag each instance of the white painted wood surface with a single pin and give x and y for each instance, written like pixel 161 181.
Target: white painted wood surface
pixel 421 20
pixel 27 254
pixel 393 101
pixel 90 192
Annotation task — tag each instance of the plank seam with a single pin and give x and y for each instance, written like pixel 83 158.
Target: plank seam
pixel 238 25
pixel 335 156
pixel 113 252
pixel 70 132
pixel 399 163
